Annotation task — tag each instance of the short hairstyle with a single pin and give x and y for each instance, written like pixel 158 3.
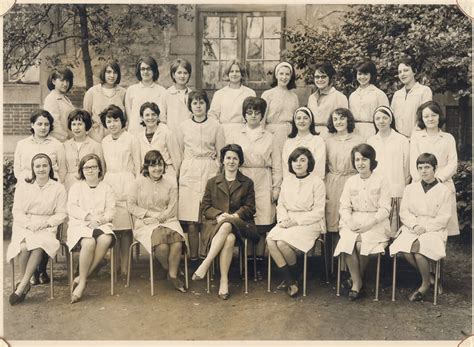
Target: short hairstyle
pixel 312 125
pixel 366 66
pixel 343 112
pixel 326 68
pixel 295 155
pixel 387 111
pixel 180 62
pixel 62 73
pixel 114 66
pixel 198 95
pixel 152 158
pixel 367 151
pixel 150 62
pixel 427 158
pixel 33 175
pixel 42 113
pixel 408 62
pixel 291 84
pixel 83 162
pixel 253 103
pixel 435 108
pixel 113 111
pixel 79 114
pixel 152 106
pixel 242 68
pixel 233 148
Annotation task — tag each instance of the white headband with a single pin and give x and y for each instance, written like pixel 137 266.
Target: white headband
pixel 305 110
pixel 385 110
pixel 283 64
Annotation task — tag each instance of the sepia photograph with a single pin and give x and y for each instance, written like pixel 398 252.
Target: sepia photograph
pixel 237 173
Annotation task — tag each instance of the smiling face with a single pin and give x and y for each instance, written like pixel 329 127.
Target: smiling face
pixel 363 78
pixel 405 74
pixel 231 161
pixel 61 85
pixel 78 128
pixel 41 127
pixel 362 164
pixel 146 72
pixel 302 121
pixel 114 125
pixel 382 121
pixel 41 169
pixel 235 75
pixel 181 76
pixel 321 80
pixel 91 170
pixel 426 171
pixel 430 119
pixel 283 76
pixel 110 76
pixel 198 107
pixel 340 122
pixel 156 171
pixel 150 118
pixel 300 165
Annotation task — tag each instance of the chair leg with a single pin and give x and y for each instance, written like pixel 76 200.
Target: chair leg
pixel 437 274
pixel 394 277
pixel 71 273
pixel 305 262
pixel 112 271
pixel 324 251
pixel 338 284
pixel 254 261
pixel 129 270
pixel 240 262
pixel 51 283
pixel 246 267
pixel 13 274
pixel 152 275
pixel 269 272
pixel 186 279
pixel 208 279
pixel 377 278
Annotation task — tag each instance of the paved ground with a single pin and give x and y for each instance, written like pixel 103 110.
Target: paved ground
pixel 132 314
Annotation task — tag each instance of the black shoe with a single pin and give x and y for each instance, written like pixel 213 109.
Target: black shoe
pixel 354 294
pixel 44 278
pixel 416 296
pixel 34 280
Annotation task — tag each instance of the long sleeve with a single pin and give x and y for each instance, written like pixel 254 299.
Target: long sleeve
pixel 209 211
pixel 136 156
pixel 277 169
pixel 382 99
pixel 164 108
pixel 61 160
pixel 74 208
pixel 51 105
pixel 406 161
pixel 282 211
pixel 414 153
pixel 128 102
pixel 215 108
pixel 17 160
pixel 345 205
pixel 384 202
pixel 88 100
pixel 174 150
pixel 60 210
pixel 427 95
pixel 442 216
pixel 20 216
pixel 406 216
pixel 342 101
pixel 109 212
pixel 320 160
pixel 220 140
pixel 172 208
pixel 317 212
pixel 248 209
pixel 445 173
pixel 132 201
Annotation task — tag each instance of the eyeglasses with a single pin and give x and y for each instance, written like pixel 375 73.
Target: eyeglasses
pixel 145 69
pixel 256 113
pixel 90 168
pixel 320 77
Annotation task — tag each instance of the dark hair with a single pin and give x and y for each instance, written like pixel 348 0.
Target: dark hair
pixel 291 84
pixel 114 66
pixel 180 62
pixel 253 103
pixel 150 62
pixel 326 68
pixel 152 106
pixel 295 155
pixel 64 74
pixel 242 68
pixel 435 108
pixel 387 111
pixel 312 125
pixel 366 66
pixel 408 62
pixel 33 175
pixel 115 112
pixel 427 158
pixel 79 114
pixel 343 112
pixel 233 148
pixel 42 113
pixel 152 158
pixel 83 162
pixel 367 151
pixel 198 95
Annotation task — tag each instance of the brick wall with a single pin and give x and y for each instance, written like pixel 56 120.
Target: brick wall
pixel 16 118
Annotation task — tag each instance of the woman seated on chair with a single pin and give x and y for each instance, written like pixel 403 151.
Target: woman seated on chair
pixel 364 211
pixel 39 208
pixel 228 206
pixel 91 208
pixel 152 200
pixel 300 215
pixel 424 212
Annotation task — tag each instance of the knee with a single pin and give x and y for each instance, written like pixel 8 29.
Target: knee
pixel 230 240
pixel 88 243
pixel 225 228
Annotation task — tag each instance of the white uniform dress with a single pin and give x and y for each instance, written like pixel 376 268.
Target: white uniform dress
pixel 226 108
pixel 200 143
pixel 322 105
pixel 122 160
pixel 75 151
pixel 443 146
pixel 262 164
pixel 363 199
pixel 174 107
pixel 166 143
pixel 146 195
pixel 35 204
pixel 317 147
pixel 135 97
pixel 84 200
pixel 431 210
pixel 59 106
pixel 404 106
pixel 362 103
pixel 281 104
pixel 27 148
pixel 97 99
pixel 301 199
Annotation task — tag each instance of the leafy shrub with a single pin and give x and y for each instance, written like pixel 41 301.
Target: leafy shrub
pixel 463 182
pixel 9 182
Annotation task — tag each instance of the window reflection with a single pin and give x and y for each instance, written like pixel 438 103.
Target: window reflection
pixel 254 27
pixel 229 27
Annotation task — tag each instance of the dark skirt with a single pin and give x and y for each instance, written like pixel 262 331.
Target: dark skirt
pixel 164 235
pixel 240 228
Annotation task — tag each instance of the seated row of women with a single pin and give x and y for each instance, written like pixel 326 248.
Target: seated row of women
pixel 229 208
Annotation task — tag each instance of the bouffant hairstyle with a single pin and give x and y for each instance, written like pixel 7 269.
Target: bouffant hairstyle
pixel 325 67
pixel 114 66
pixel 295 155
pixel 198 95
pixel 152 106
pixel 42 113
pixel 233 148
pixel 312 125
pixel 81 115
pixel 242 68
pixel 180 62
pixel 291 84
pixel 63 74
pixel 115 112
pixel 152 158
pixel 427 158
pixel 435 108
pixel 84 160
pixel 150 62
pixel 408 62
pixel 366 66
pixel 367 151
pixel 343 112
pixel 255 104
pixel 33 175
